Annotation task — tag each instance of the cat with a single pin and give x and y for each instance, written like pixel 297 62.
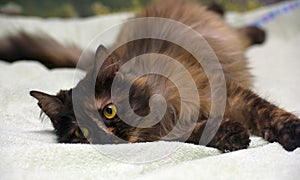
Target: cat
pixel 98 119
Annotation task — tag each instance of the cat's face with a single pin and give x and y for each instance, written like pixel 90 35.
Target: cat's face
pixel 94 115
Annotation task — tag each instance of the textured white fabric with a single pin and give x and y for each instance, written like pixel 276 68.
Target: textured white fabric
pixel 28 149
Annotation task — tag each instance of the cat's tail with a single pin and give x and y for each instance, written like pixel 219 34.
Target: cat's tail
pixel 25 46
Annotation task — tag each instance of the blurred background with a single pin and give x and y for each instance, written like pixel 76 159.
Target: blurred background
pixel 79 8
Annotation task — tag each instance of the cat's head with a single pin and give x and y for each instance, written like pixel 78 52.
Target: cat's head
pixel 93 114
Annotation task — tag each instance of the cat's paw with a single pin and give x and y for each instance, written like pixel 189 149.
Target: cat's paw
pixel 256 34
pixel 231 136
pixel 289 134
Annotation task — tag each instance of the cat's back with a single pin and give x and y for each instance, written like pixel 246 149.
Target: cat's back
pixel 223 39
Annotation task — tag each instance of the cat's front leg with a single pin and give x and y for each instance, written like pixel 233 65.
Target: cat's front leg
pixel 264 118
pixel 230 136
pixel 284 128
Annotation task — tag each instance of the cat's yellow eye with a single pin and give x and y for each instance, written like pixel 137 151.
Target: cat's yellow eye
pixel 81 132
pixel 110 111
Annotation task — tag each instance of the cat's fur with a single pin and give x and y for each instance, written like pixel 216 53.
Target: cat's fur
pixel 245 112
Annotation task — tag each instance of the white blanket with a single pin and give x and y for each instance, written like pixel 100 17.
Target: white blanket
pixel 28 148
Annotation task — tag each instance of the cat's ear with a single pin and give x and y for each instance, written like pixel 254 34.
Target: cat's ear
pixel 50 105
pixel 106 64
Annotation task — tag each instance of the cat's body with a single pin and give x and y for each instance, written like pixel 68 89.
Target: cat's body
pixel 245 112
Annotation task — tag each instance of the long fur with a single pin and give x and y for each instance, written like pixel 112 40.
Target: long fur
pixel 245 112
